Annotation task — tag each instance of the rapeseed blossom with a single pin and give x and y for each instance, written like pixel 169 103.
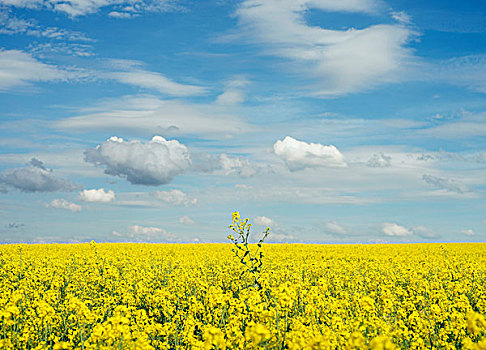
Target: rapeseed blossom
pixel 167 296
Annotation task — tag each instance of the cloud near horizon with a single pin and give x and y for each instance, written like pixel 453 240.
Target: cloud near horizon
pixel 64 204
pixel 35 177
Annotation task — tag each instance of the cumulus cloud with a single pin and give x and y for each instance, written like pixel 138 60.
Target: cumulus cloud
pixel 64 204
pixel 379 161
pixel 392 229
pixel 446 184
pixel 334 227
pixel 175 197
pixel 153 163
pixel 186 220
pixel 343 61
pixel 299 155
pixel 97 195
pixel 35 177
pixel 146 233
pixel 76 8
pixel 264 221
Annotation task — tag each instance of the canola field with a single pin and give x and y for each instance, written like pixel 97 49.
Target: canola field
pixel 197 296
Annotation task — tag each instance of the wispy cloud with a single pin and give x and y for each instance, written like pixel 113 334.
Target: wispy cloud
pixel 446 184
pixel 148 115
pixel 468 71
pixel 344 61
pixel 76 8
pixel 146 233
pixel 264 221
pixel 19 69
pixel 176 197
pixel 12 25
pixel 156 81
pixel 335 228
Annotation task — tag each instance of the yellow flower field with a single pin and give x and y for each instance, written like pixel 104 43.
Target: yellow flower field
pixel 194 296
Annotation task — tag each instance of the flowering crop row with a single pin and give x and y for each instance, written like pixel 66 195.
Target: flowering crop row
pixel 175 296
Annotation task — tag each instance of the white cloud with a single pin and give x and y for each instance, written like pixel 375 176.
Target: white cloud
pixel 366 6
pixel 236 165
pixel 147 233
pixel 335 228
pixel 402 17
pixel 392 229
pixel 156 81
pixel 35 177
pixel 72 49
pixel 264 221
pixel 468 71
pixel 344 61
pixel 64 204
pixel 233 94
pixel 97 195
pixel 424 232
pixel 11 25
pixel 20 69
pixel 148 115
pixel 446 184
pixel 75 8
pixel 175 197
pixel 116 14
pixel 379 161
pixel 231 97
pixel 299 155
pixel 280 237
pixel 186 220
pixel 465 127
pixel 468 232
pixel 243 187
pixel 223 164
pixel 152 163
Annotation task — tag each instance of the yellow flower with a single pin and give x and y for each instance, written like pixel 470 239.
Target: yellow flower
pixel 382 342
pixel 256 333
pixel 236 216
pixel 214 337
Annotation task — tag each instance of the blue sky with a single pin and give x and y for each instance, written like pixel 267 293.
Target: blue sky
pixel 329 121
